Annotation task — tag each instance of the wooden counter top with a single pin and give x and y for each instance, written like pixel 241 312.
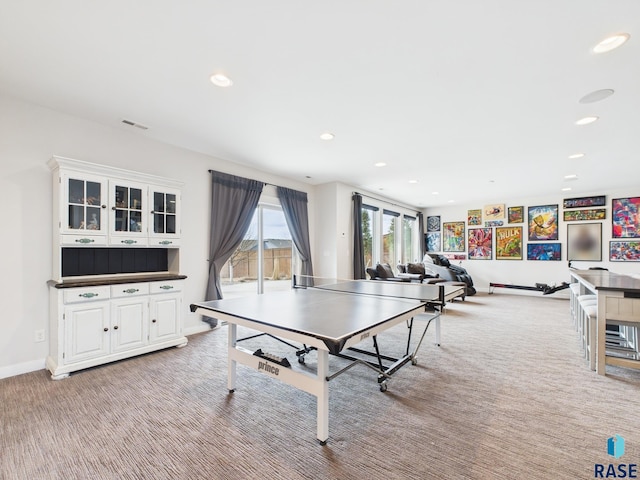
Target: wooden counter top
pixel 606 280
pixel 92 282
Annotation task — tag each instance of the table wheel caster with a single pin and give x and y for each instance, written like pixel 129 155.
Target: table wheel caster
pixel 383 386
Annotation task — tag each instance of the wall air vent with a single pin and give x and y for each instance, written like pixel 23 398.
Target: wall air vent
pixel 134 124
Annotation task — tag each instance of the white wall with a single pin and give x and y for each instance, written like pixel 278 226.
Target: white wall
pixel 29 136
pixel 523 272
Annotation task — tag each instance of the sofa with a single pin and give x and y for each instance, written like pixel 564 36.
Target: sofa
pixel 438 266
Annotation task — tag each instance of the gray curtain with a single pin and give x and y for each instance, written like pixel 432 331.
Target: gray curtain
pixel 422 241
pixel 358 242
pixel 233 202
pixel 294 207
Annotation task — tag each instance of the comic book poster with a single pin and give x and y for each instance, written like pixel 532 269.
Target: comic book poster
pixel 474 217
pixel 515 214
pixel 509 243
pixel 480 244
pixel 625 216
pixel 544 251
pixel 493 212
pixel 543 222
pixel 453 237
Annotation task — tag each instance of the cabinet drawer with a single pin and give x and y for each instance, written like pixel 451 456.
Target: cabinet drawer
pixel 129 290
pixel 83 240
pixel 166 287
pixel 164 242
pixel 128 241
pixel 86 294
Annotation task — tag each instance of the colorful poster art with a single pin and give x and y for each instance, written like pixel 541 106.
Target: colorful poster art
pixel 480 244
pixel 453 237
pixel 474 217
pixel 624 251
pixel 509 243
pixel 434 241
pixel 543 222
pixel 577 215
pixel 494 212
pixel 584 241
pixel 625 217
pixel 515 214
pixel 544 251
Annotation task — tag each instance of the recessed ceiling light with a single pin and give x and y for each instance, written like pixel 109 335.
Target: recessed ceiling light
pixel 573 176
pixel 380 164
pixel 566 189
pixel 413 181
pixel 220 80
pixel 587 120
pixel 450 201
pixel 596 96
pixel 327 136
pixel 435 193
pixel 609 43
pixel 576 155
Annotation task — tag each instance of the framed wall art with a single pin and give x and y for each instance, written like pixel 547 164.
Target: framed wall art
pixel 474 217
pixel 544 251
pixel 624 251
pixel 509 243
pixel 433 223
pixel 577 215
pixel 480 243
pixel 453 237
pixel 434 241
pixel 625 217
pixel 543 222
pixel 598 201
pixel 493 212
pixel 584 242
pixel 515 214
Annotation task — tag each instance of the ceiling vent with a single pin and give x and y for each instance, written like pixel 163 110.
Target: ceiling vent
pixel 134 124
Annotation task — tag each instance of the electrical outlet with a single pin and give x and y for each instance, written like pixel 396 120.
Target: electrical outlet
pixel 39 335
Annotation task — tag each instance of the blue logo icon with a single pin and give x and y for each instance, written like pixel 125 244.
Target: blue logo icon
pixel 615 446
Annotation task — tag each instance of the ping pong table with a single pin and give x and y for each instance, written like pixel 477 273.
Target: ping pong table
pixel 329 318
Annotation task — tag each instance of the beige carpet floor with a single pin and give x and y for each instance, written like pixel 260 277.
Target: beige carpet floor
pixel 508 395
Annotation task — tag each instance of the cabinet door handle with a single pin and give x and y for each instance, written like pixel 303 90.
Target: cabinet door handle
pixel 115 327
pixel 84 240
pixel 153 321
pixel 130 290
pixel 166 287
pixel 106 329
pixel 166 242
pixel 88 295
pixel 128 242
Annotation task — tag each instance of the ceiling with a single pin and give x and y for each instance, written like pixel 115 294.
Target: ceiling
pixel 475 100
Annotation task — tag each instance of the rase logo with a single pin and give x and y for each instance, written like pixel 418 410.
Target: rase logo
pixel 615 448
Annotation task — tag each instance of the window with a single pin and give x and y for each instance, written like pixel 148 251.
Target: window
pixel 408 228
pixel 369 223
pixel 264 260
pixel 389 237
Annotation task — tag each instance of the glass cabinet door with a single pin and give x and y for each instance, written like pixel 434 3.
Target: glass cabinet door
pixel 128 209
pixel 165 213
pixel 84 205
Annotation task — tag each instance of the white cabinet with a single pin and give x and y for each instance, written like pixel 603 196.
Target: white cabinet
pixel 116 290
pixel 96 325
pixel 97 205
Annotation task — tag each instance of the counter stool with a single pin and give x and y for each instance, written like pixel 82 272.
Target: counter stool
pixel 574 292
pixel 590 313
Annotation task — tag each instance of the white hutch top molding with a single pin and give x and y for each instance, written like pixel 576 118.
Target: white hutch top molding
pixel 116 289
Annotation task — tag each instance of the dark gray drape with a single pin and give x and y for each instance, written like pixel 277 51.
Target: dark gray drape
pixel 358 241
pixel 294 207
pixel 421 240
pixel 233 201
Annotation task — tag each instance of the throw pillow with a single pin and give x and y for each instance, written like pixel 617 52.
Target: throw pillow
pixel 384 271
pixel 415 268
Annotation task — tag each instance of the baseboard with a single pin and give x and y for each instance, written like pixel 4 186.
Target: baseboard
pixel 205 327
pixel 20 368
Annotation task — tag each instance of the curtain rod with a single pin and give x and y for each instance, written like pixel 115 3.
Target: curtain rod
pixel 386 201
pixel 266 183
